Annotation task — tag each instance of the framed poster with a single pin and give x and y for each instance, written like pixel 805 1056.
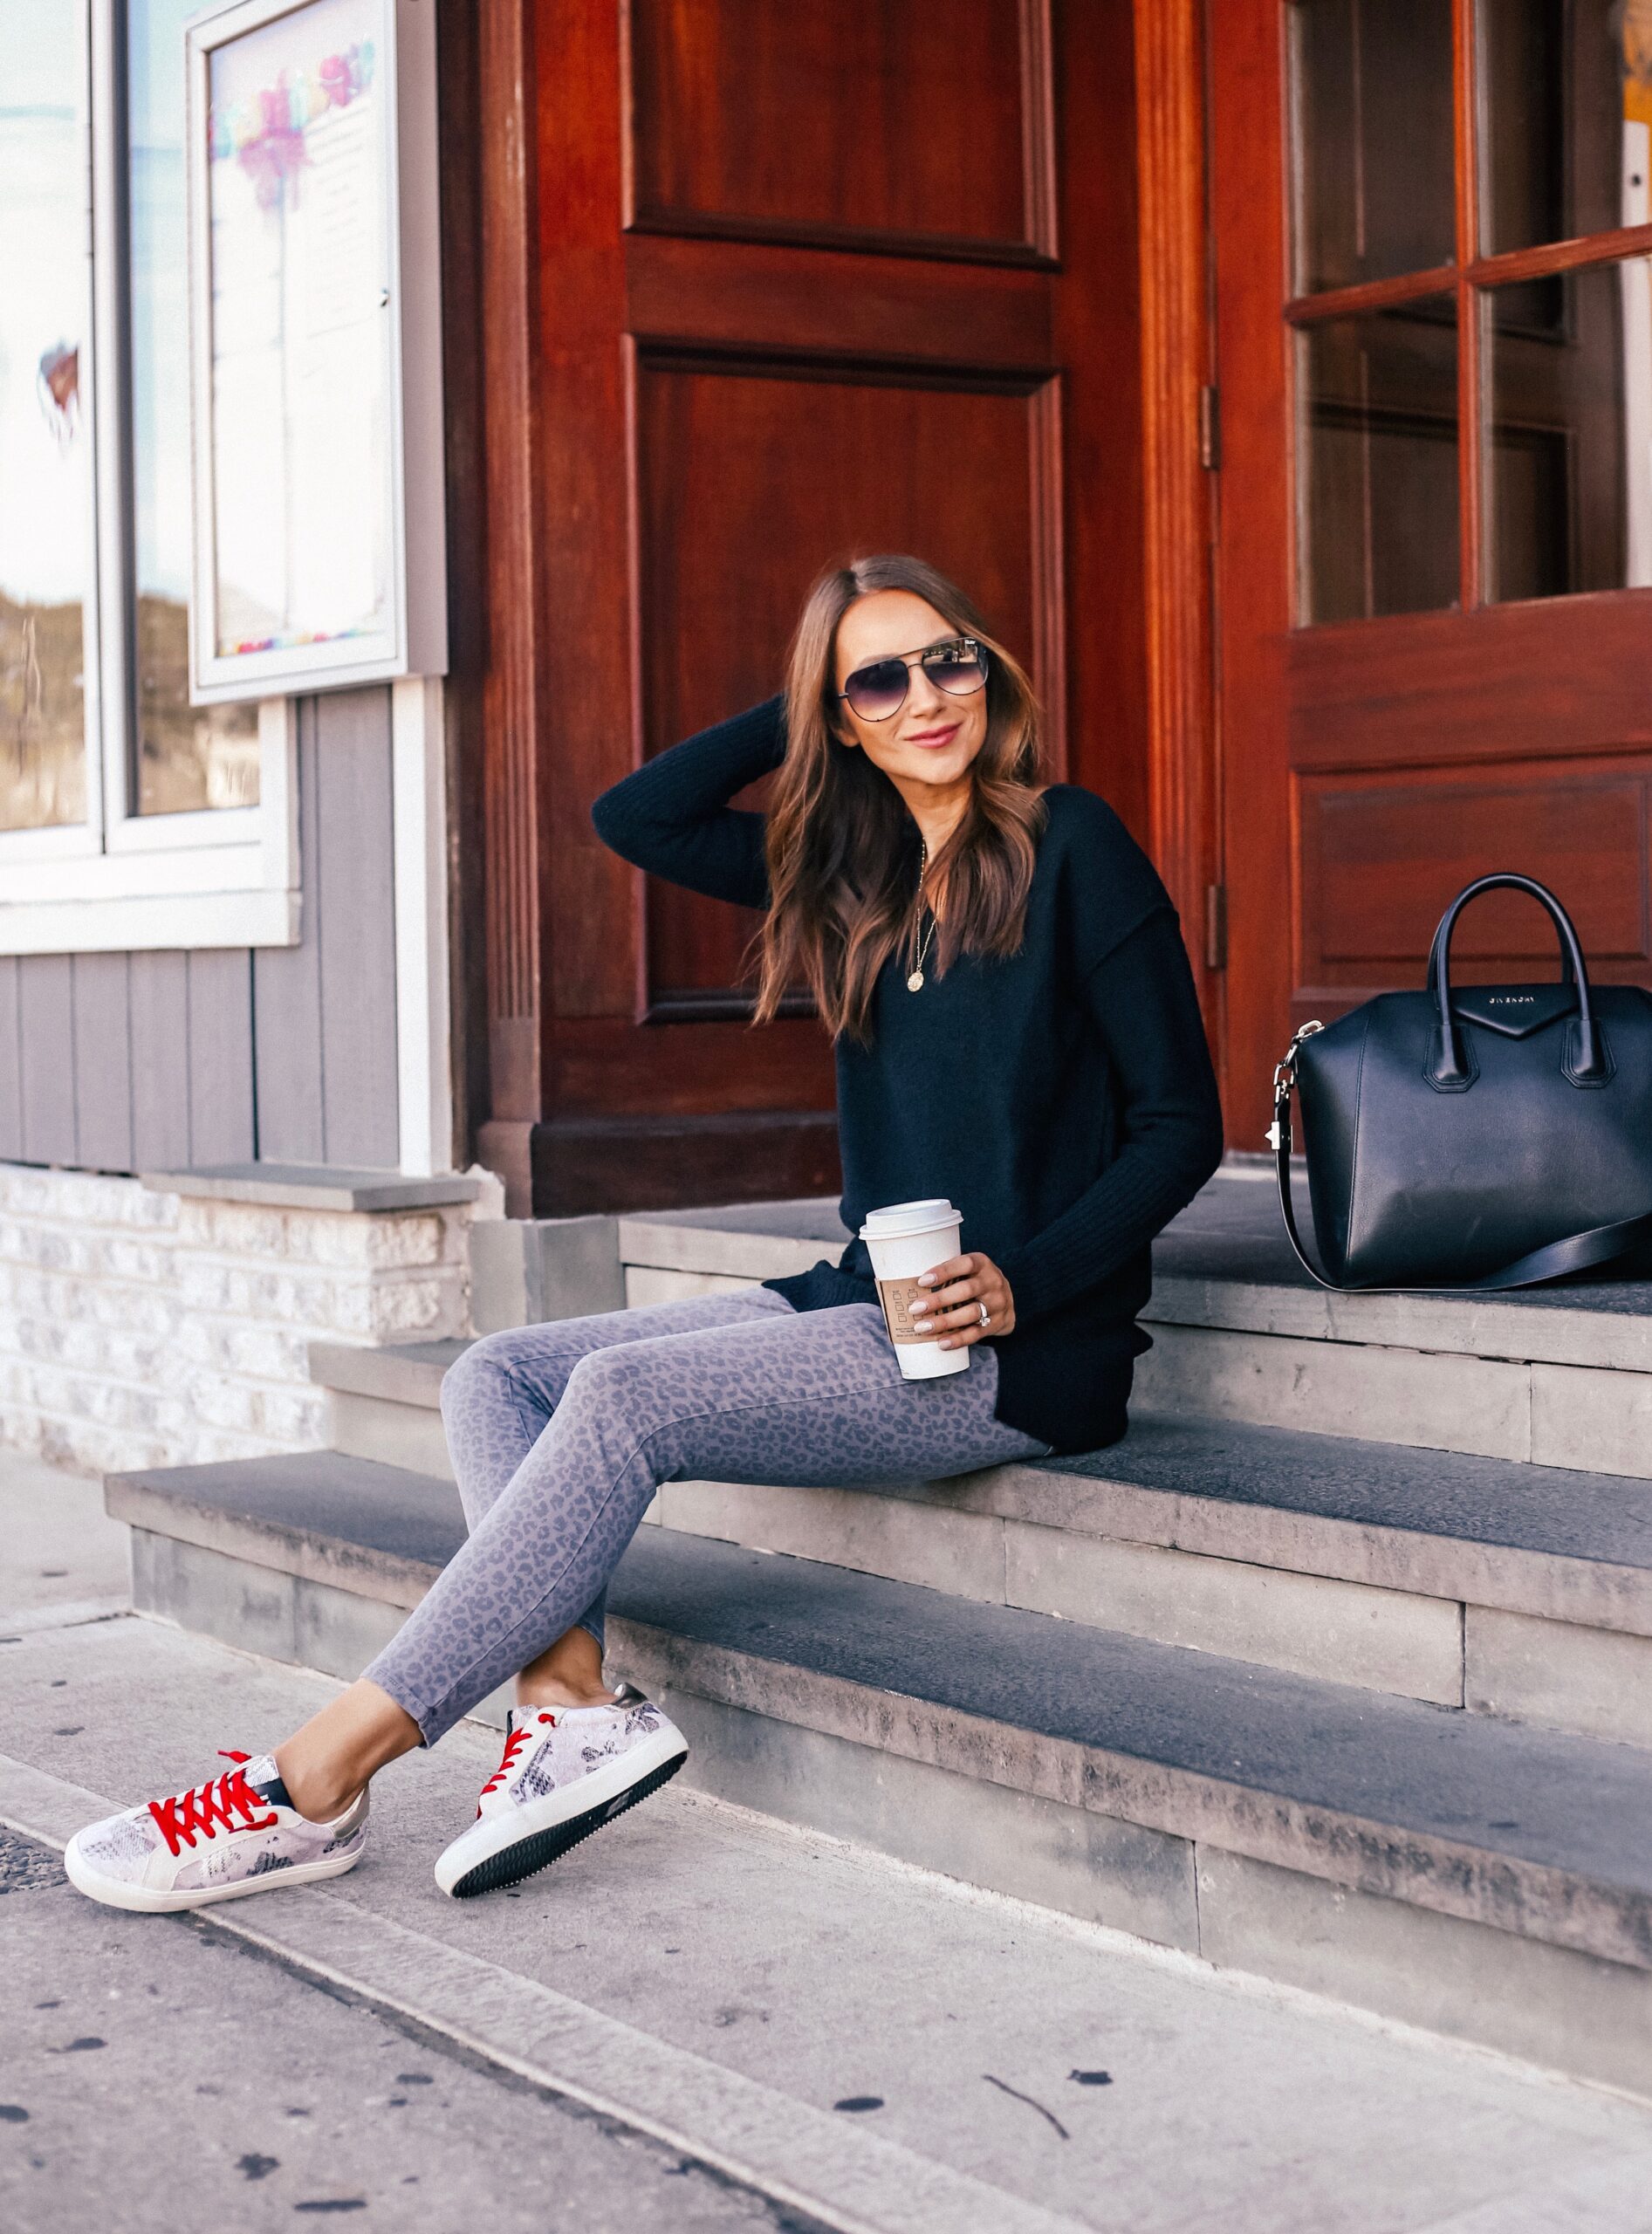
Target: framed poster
pixel 315 347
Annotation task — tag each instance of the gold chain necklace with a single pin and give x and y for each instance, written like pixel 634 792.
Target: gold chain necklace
pixel 914 983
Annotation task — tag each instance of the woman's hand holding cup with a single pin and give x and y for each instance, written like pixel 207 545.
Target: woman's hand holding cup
pixel 962 1284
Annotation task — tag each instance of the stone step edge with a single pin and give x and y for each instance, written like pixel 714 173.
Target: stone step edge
pixel 1545 1585
pixel 1512 1578
pixel 1477 1883
pixel 364 1571
pixel 1474 1884
pixel 395 1373
pixel 1472 1326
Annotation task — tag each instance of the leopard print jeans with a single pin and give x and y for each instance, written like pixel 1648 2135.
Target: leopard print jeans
pixel 560 1435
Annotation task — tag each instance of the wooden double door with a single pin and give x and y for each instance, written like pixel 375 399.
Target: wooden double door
pixel 796 282
pixel 760 287
pixel 1434 537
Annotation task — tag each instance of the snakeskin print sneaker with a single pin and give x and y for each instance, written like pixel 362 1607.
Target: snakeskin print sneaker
pixel 235 1833
pixel 567 1771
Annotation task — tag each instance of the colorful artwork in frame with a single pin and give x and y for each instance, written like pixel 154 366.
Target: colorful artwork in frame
pixel 300 455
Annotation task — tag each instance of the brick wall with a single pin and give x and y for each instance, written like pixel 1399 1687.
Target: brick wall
pixel 145 1329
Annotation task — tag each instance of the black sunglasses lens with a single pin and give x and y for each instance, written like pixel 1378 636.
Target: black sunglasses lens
pixel 877 691
pixel 959 671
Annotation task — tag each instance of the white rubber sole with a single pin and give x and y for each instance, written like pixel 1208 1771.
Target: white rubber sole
pixel 149 1899
pixel 543 1829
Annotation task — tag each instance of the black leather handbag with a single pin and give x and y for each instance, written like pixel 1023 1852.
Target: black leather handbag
pixel 1489 1136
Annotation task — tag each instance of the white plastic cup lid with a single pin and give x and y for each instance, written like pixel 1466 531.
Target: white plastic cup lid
pixel 902 1218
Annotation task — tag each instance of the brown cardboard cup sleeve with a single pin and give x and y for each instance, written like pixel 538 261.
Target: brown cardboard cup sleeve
pixel 900 1298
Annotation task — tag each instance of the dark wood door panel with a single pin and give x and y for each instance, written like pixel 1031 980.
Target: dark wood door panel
pixel 735 517
pixel 917 130
pixel 1490 685
pixel 1380 857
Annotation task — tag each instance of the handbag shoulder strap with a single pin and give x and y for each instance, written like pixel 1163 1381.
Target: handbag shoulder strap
pixel 1577 1253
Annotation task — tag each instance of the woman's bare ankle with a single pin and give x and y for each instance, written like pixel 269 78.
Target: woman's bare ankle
pixel 317 1800
pixel 568 1674
pixel 329 1764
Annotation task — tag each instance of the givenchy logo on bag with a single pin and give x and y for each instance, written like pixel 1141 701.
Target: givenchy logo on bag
pixel 1513 1011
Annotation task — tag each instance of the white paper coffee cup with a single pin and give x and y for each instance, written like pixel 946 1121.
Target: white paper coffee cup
pixel 903 1240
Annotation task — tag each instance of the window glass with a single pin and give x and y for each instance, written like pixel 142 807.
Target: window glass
pixel 1566 101
pixel 187 756
pixel 1377 463
pixel 1372 139
pixel 1569 410
pixel 45 433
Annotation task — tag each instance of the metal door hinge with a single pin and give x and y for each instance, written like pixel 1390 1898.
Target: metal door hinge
pixel 1215 927
pixel 1209 429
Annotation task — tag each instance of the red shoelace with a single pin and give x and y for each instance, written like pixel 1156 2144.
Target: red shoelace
pixel 513 1745
pixel 212 1806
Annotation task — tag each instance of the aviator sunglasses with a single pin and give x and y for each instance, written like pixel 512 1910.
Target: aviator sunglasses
pixel 878 690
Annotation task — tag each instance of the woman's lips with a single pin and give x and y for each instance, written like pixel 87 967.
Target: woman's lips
pixel 932 739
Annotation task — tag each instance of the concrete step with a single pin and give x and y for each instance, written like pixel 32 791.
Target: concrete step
pixel 1559 1375
pixel 1457 1870
pixel 382 1403
pixel 1519 1591
pixel 1510 1588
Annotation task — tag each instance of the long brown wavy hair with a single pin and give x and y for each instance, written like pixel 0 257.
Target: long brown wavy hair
pixel 843 850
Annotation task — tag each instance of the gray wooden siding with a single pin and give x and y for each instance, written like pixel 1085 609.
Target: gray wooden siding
pixel 154 1061
pixel 11 1077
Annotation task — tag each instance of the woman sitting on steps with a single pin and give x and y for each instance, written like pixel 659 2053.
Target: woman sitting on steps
pixel 1015 1026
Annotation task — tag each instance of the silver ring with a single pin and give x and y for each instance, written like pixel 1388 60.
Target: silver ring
pixel 986 1319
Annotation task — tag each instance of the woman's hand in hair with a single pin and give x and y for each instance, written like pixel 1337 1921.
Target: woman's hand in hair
pixel 962 1286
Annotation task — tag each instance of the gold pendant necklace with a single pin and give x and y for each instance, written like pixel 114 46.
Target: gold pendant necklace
pixel 914 983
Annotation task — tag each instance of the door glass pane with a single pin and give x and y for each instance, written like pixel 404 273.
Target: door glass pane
pixel 1569 477
pixel 188 756
pixel 1566 101
pixel 1371 99
pixel 45 437
pixel 1377 463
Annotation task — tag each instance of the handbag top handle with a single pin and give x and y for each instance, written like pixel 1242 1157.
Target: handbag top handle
pixel 1447 1069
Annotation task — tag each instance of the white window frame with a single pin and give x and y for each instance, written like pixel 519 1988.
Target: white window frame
pixel 117 881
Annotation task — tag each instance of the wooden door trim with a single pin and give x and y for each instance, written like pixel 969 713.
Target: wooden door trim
pixel 510 900
pixel 1046 463
pixel 839 368
pixel 1183 772
pixel 1512 266
pixel 460 185
pixel 749 295
pixel 1252 605
pixel 929 248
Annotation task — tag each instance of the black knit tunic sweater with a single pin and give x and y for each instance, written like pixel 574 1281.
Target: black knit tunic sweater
pixel 1063 1098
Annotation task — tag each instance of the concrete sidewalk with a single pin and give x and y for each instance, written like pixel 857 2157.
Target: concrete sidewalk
pixel 720 1984
pixel 160 2079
